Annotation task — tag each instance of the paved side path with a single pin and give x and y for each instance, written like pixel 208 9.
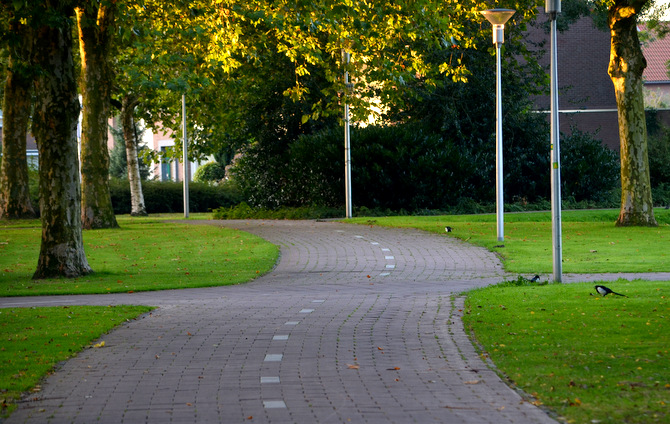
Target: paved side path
pixel 355 324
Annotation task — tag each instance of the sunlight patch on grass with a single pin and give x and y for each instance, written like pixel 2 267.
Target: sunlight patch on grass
pixel 142 255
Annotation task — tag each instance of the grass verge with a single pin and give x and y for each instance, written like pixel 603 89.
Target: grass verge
pixel 34 340
pixel 590 359
pixel 144 254
pixel 591 242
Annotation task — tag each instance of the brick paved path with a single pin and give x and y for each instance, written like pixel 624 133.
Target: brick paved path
pixel 355 324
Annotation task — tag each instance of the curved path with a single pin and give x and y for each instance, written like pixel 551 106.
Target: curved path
pixel 355 324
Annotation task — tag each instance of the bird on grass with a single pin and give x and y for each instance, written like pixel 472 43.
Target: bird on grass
pixel 535 279
pixel 602 290
pixel 448 229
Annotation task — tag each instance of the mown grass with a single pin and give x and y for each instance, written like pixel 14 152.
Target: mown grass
pixel 34 340
pixel 590 359
pixel 144 254
pixel 591 242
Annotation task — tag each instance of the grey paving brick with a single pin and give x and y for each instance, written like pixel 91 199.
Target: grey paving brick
pixel 371 349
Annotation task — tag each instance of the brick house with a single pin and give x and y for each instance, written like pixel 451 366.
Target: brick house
pixel 586 93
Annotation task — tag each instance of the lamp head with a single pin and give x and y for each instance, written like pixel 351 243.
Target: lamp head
pixel 552 6
pixel 498 16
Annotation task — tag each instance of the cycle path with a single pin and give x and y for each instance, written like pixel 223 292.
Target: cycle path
pixel 354 324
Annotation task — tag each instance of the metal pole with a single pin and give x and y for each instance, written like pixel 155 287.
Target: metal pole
pixel 555 161
pixel 187 173
pixel 500 222
pixel 347 145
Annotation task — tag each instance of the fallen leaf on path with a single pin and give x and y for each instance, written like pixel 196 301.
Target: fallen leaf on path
pixel 472 382
pixel 353 366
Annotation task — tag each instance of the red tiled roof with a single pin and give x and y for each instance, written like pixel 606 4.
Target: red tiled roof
pixel 657 53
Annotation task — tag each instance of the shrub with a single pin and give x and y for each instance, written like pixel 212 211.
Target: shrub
pixel 209 172
pixel 244 211
pixel 403 167
pixel 589 170
pixel 168 197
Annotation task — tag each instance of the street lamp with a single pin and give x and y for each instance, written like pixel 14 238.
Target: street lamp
pixel 347 141
pixel 498 17
pixel 553 8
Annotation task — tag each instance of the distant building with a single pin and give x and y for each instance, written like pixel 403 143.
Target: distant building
pixel 586 93
pixel 656 75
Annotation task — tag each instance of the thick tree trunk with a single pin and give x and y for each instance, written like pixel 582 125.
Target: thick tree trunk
pixel 55 127
pixel 129 135
pixel 14 193
pixel 626 66
pixel 95 24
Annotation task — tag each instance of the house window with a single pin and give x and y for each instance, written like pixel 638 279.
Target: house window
pixel 166 166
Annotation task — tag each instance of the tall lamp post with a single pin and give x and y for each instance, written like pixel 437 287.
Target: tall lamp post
pixel 498 17
pixel 347 142
pixel 553 8
pixel 187 165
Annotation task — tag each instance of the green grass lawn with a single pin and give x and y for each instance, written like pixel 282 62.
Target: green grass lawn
pixel 34 340
pixel 591 359
pixel 591 242
pixel 144 254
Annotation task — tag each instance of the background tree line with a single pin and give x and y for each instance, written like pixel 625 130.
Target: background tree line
pixel 262 76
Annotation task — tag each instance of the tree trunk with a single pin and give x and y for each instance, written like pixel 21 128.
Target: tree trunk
pixel 95 24
pixel 55 127
pixel 128 124
pixel 14 193
pixel 625 69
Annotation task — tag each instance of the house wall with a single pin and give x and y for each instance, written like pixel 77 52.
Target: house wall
pixel 586 95
pixel 167 170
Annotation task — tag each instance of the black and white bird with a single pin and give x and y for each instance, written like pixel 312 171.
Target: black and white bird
pixel 602 290
pixel 535 279
pixel 448 229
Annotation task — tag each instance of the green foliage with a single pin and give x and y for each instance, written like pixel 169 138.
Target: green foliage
pixel 169 196
pixel 210 172
pixel 586 358
pixel 145 254
pixel 35 340
pixel 659 156
pixel 118 159
pixel 522 281
pixel 589 170
pixel 405 167
pixel 244 211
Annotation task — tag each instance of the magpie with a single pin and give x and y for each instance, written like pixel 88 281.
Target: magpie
pixel 448 229
pixel 535 279
pixel 606 290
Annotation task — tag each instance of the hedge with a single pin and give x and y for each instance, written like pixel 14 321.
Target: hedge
pixel 168 197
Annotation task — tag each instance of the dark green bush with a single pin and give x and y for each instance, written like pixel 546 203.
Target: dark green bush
pixel 589 170
pixel 244 211
pixel 403 167
pixel 168 197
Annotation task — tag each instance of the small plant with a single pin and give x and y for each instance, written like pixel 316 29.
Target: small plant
pixel 522 281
